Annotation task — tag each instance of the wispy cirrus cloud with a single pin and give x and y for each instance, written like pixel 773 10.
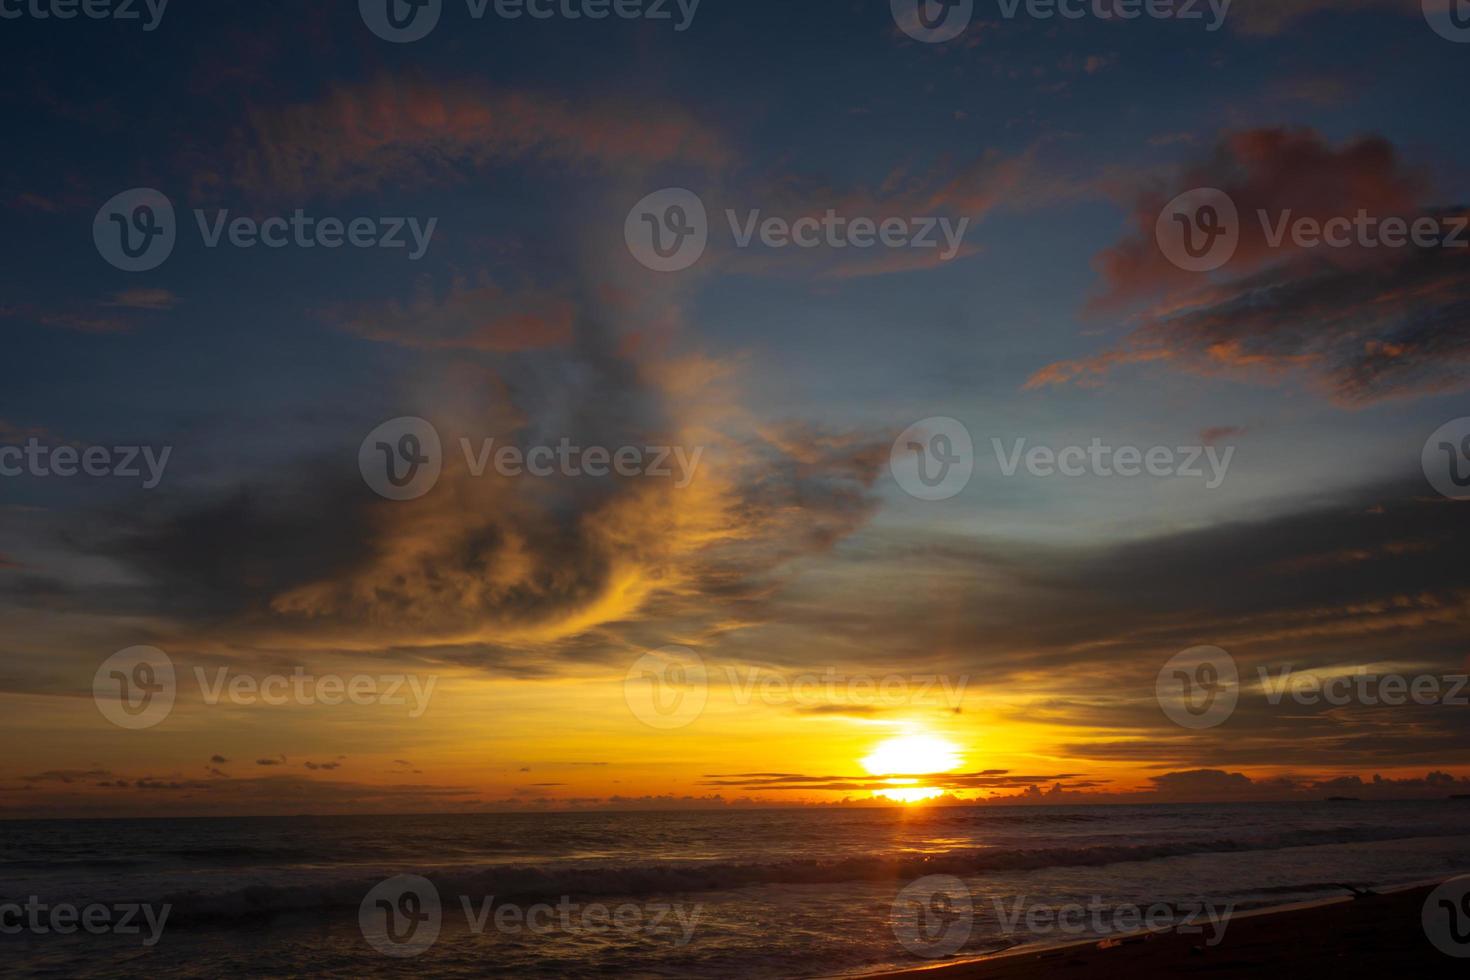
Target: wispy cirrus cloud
pixel 357 138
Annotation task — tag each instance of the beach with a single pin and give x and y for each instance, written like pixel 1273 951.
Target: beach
pixel 1370 936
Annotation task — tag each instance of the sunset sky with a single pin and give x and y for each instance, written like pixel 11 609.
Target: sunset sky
pixel 1042 607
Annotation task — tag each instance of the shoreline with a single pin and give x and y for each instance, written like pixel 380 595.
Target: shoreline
pixel 1350 936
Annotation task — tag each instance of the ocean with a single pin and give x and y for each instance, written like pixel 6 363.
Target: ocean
pixel 734 893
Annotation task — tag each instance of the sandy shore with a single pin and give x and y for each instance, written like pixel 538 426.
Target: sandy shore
pixel 1375 936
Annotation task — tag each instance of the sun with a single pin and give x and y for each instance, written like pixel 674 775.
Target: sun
pixel 911 755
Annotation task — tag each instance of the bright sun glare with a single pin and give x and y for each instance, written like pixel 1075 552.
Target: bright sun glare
pixel 911 755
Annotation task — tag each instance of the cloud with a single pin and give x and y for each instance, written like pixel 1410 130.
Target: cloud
pixel 84 318
pixel 1275 170
pixel 399 131
pixel 941 203
pixel 796 782
pixel 1269 17
pixel 1219 433
pixel 516 573
pixel 273 794
pixel 78 319
pixel 1221 786
pixel 479 317
pixel 144 299
pixel 1360 325
pixel 67 776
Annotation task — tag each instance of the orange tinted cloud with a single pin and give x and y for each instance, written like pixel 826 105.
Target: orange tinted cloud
pixel 482 317
pixel 1271 170
pixel 1360 324
pixel 357 138
pixel 1275 16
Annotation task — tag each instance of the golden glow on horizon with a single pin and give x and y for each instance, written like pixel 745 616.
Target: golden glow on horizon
pixel 914 794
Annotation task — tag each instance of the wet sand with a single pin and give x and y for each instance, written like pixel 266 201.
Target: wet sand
pixel 1370 937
